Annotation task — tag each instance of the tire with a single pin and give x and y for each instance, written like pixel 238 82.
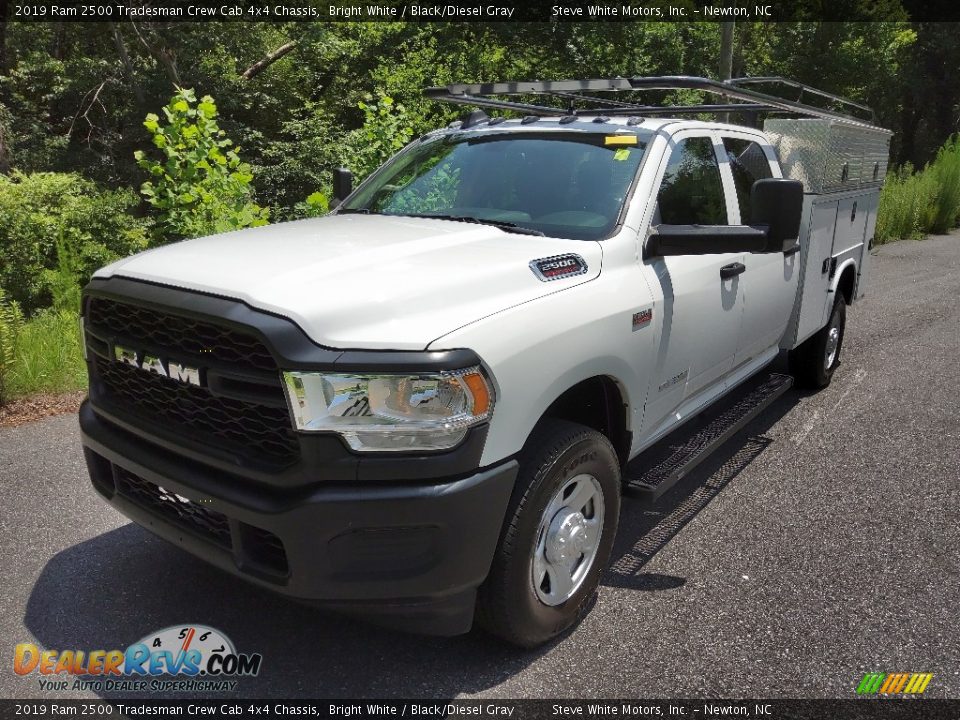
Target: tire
pixel 814 362
pixel 526 599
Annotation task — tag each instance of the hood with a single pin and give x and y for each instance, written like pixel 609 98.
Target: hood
pixel 365 281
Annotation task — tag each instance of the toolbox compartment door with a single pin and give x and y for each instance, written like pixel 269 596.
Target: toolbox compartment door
pixel 871 203
pixel 848 240
pixel 838 228
pixel 816 244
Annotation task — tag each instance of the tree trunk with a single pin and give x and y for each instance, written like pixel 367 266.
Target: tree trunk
pixel 4 152
pixel 163 56
pixel 726 59
pixel 726 50
pixel 3 38
pixel 127 65
pixel 268 60
pixel 56 45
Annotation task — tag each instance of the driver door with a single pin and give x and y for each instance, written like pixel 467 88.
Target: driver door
pixel 703 299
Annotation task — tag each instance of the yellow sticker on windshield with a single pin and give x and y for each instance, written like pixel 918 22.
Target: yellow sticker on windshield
pixel 620 140
pixel 621 154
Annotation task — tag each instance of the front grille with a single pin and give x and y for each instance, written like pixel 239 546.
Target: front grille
pixel 260 551
pixel 176 332
pixel 208 523
pixel 244 428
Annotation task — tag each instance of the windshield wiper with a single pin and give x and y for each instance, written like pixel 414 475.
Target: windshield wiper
pixel 356 211
pixel 502 224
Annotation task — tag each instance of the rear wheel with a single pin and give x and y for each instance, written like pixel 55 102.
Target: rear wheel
pixel 814 362
pixel 557 535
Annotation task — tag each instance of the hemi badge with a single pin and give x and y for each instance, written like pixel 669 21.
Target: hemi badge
pixel 642 318
pixel 558 266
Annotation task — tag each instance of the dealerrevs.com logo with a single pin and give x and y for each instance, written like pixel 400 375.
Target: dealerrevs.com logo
pixel 178 658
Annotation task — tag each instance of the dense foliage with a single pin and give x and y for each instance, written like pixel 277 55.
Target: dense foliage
pixel 913 204
pixel 91 112
pixel 293 94
pixel 43 211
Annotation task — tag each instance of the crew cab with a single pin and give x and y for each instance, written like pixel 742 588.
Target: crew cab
pixel 425 406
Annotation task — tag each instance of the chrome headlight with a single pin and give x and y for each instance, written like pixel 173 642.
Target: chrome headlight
pixel 430 411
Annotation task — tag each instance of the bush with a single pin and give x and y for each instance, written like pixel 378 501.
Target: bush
pixel 11 324
pixel 48 355
pixel 65 282
pixel 40 211
pixel 946 172
pixel 907 205
pixel 199 187
pixel 913 204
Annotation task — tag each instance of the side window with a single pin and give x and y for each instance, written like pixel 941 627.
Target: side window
pixel 748 164
pixel 691 192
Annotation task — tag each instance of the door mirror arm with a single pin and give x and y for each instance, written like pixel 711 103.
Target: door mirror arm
pixel 342 186
pixel 668 240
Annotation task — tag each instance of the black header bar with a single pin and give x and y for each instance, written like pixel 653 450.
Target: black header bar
pixel 479 11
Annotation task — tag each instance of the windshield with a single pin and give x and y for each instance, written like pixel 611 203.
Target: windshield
pixel 562 184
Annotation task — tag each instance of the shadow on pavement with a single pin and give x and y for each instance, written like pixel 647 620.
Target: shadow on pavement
pixel 112 590
pixel 645 528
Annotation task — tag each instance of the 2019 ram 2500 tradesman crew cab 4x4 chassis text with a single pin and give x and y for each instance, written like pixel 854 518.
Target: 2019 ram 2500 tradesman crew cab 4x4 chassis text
pixel 425 405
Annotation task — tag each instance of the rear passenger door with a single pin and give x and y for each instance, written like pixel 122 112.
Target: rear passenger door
pixel 770 280
pixel 702 309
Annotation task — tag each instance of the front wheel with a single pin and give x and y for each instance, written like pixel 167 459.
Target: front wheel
pixel 814 362
pixel 557 535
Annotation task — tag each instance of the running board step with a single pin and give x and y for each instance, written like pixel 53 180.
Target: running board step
pixel 664 464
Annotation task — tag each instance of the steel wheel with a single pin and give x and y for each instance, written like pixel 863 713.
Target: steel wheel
pixel 557 535
pixel 567 539
pixel 833 343
pixel 814 362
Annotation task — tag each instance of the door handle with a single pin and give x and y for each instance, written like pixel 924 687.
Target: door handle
pixel 731 270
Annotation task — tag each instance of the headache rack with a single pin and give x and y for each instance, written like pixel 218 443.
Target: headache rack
pixel 581 97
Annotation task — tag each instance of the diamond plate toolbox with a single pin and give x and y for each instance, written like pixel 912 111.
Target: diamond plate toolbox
pixel 830 155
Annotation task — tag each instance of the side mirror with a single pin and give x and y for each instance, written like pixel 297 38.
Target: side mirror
pixel 776 205
pixel 342 185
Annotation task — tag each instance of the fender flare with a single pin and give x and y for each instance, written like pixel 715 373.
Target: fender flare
pixel 838 274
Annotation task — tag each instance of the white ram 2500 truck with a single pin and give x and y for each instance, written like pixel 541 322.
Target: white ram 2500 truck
pixel 425 405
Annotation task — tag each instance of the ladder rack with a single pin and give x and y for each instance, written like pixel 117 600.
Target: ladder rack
pixel 747 99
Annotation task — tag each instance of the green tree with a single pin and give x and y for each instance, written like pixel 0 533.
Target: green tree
pixel 199 186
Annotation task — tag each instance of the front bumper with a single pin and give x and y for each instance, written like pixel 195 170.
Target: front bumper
pixel 410 553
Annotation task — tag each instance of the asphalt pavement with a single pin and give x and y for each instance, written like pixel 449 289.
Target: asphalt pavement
pixel 819 544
